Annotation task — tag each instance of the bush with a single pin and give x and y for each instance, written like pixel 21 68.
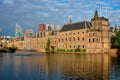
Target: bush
pixel 58 50
pixel 77 50
pixel 67 50
pixel 13 49
pixel 71 50
pixel 47 49
pixel 5 47
pixel 84 50
pixel 63 50
pixel 48 45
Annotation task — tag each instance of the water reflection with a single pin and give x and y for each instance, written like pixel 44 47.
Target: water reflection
pixel 1 55
pixel 59 67
pixel 85 67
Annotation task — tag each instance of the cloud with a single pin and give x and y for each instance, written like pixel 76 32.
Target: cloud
pixel 8 2
pixel 101 3
pixel 29 13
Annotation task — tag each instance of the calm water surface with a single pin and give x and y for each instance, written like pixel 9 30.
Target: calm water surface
pixel 34 66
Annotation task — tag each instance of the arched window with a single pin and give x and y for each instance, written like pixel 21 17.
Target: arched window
pixel 89 40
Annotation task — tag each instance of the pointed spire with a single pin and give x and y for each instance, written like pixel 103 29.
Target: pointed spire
pixel 96 14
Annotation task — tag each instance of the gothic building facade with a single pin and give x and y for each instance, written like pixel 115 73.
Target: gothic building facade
pixel 93 36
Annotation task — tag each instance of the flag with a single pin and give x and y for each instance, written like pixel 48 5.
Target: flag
pixel 19 31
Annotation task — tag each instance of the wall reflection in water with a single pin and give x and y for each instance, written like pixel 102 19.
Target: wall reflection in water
pixel 77 67
pixel 55 67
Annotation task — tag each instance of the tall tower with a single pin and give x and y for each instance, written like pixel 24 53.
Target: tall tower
pixel 95 21
pixel 101 24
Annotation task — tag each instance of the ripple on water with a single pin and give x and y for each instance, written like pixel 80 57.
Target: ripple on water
pixel 25 54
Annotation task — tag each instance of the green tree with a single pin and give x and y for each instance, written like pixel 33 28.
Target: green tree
pixel 48 45
pixel 117 39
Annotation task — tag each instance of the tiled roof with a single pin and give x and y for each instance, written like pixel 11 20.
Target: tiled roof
pixel 76 26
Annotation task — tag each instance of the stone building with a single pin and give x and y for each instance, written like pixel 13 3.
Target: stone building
pixel 92 36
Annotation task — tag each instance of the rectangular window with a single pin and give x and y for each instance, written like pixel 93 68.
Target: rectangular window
pixel 93 39
pixel 82 39
pixel 89 40
pixel 59 39
pixel 89 34
pixel 66 39
pixel 78 38
pixel 62 40
pixel 69 39
pixel 97 40
pixel 83 46
pixel 74 46
pixel 73 38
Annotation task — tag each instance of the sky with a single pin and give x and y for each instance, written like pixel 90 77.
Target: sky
pixel 29 13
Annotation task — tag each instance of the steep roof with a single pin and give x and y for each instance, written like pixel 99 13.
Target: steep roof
pixel 76 26
pixel 96 14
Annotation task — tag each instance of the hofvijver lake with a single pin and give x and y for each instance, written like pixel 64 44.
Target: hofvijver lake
pixel 34 66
